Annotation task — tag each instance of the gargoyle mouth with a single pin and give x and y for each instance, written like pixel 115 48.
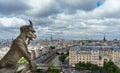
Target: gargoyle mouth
pixel 33 37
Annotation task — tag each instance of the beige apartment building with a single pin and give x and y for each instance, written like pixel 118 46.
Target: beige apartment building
pixel 93 54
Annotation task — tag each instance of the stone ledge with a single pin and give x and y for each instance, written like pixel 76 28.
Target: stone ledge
pixel 17 69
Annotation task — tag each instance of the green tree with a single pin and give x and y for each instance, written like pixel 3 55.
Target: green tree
pixel 117 71
pixel 62 57
pixel 86 66
pixel 109 67
pixel 94 67
pixel 52 47
pixel 89 41
pixel 54 70
pixel 67 51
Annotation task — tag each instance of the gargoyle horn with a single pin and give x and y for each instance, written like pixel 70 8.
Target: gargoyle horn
pixel 31 23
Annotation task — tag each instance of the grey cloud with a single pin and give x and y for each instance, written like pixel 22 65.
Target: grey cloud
pixel 112 15
pixel 8 32
pixel 48 9
pixel 42 22
pixel 71 25
pixel 13 7
pixel 73 5
pixel 47 12
pixel 9 29
pixel 92 27
pixel 69 7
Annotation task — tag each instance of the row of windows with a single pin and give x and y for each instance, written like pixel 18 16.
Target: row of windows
pixel 85 59
pixel 85 56
pixel 81 58
pixel 116 54
pixel 72 58
pixel 116 57
pixel 72 62
pixel 95 59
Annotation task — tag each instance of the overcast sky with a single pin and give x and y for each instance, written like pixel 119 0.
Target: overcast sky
pixel 64 19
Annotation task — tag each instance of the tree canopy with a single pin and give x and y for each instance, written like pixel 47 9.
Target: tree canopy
pixel 52 47
pixel 109 67
pixel 62 57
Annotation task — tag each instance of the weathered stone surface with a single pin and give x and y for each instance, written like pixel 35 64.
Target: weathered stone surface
pixel 6 70
pixel 19 69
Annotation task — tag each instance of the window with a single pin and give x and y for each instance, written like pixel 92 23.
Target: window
pixel 83 58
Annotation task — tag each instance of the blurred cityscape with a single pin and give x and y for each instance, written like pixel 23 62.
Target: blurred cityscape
pixel 46 53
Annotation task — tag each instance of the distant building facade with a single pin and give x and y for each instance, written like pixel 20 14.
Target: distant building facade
pixel 93 54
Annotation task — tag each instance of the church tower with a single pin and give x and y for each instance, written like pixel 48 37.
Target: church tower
pixel 104 39
pixel 51 38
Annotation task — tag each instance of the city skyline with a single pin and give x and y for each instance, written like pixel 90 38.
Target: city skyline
pixel 71 19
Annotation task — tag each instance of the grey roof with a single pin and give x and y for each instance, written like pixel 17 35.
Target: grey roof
pixel 88 49
pixel 74 48
pixel 78 52
pixel 116 49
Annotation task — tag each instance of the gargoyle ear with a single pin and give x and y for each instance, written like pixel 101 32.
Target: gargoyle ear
pixel 30 23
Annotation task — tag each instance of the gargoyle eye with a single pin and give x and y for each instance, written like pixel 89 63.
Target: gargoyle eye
pixel 33 31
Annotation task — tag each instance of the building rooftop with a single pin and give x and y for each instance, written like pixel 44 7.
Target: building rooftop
pixel 86 49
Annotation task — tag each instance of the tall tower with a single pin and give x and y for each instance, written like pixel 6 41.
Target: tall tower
pixel 104 39
pixel 51 38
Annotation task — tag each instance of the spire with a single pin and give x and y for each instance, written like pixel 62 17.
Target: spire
pixel 51 38
pixel 104 39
